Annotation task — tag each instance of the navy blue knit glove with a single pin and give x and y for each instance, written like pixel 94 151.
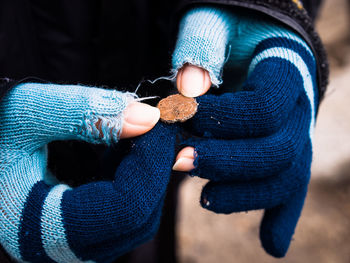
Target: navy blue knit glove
pixel 255 142
pixel 45 221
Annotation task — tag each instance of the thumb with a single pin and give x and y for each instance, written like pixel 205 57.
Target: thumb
pixel 139 118
pixel 202 40
pixel 193 81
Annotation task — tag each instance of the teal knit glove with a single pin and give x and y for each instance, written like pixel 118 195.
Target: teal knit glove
pixel 42 220
pixel 201 47
pixel 214 39
pixel 253 141
pixel 34 114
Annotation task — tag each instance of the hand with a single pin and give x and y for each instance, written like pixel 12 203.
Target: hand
pixel 256 141
pixel 44 222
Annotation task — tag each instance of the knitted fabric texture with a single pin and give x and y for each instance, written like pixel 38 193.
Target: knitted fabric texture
pixel 96 222
pixel 256 145
pixel 290 14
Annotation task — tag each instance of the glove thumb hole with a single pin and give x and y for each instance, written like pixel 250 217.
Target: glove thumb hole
pixel 212 199
pixel 114 115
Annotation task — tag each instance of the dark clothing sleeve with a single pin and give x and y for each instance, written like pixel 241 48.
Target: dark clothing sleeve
pixel 312 7
pixel 4 258
pixel 5 85
pixel 46 41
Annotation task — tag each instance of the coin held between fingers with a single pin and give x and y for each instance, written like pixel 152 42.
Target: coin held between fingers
pixel 177 108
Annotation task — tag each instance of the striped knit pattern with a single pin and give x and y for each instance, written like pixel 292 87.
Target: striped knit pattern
pixel 213 38
pixel 96 222
pixel 257 145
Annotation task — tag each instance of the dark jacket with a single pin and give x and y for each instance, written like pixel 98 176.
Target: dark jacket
pixel 113 44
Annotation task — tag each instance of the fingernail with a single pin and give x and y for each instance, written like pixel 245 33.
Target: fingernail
pixel 192 81
pixel 184 164
pixel 141 115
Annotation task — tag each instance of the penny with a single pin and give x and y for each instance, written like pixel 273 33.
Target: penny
pixel 176 108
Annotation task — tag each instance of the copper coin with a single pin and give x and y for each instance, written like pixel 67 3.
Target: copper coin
pixel 176 108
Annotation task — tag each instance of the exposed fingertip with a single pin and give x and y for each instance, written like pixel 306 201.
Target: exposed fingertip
pixel 187 152
pixel 139 118
pixel 184 164
pixel 193 81
pixel 184 160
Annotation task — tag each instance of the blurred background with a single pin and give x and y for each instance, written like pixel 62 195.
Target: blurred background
pixel 323 232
